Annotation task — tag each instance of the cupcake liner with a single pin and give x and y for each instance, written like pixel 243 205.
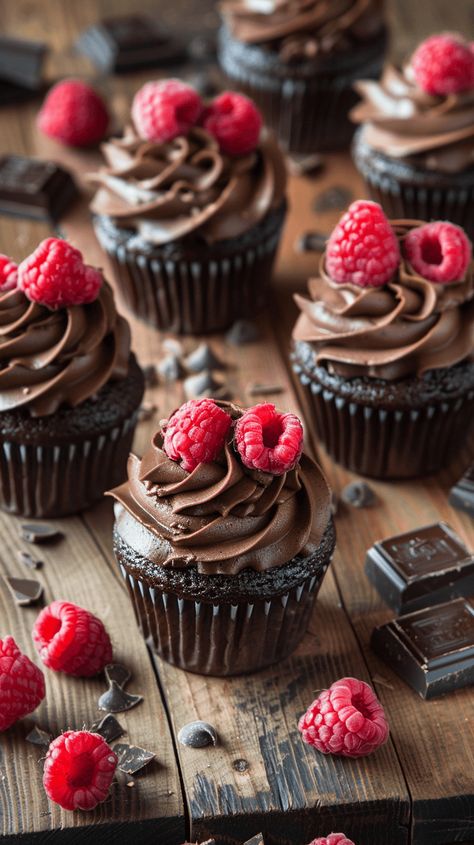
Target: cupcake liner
pixel 55 480
pixel 205 292
pixel 239 638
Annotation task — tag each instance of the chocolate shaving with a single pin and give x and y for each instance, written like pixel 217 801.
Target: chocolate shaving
pixel 264 389
pixel 203 358
pixel 197 735
pixel 117 672
pixel 312 242
pixel 242 332
pixel 39 737
pixel 336 198
pixel 202 384
pixel 132 758
pixel 146 411
pixel 303 164
pixel 116 700
pixel 358 495
pixel 171 368
pixel 109 728
pixel 29 560
pixel 25 591
pixel 39 532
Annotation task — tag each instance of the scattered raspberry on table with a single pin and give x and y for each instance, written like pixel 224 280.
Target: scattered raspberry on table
pixel 74 113
pixel 70 639
pixel 22 686
pixel 78 770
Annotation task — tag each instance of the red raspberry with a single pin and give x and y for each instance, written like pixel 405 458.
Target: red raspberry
pixel 235 122
pixel 8 274
pixel 70 639
pixel 440 252
pixel 363 249
pixel 267 440
pixel 78 770
pixel 444 64
pixel 345 719
pixel 74 113
pixel 21 684
pixel 163 110
pixel 195 434
pixel 332 839
pixel 55 276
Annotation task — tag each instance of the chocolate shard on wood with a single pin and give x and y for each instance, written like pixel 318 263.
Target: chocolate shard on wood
pixel 39 532
pixel 39 737
pixel 40 190
pixel 265 389
pixel 305 164
pixel 312 242
pixel 117 672
pixel 130 42
pixel 197 735
pixel 171 368
pixel 132 758
pixel 21 62
pixel 462 494
pixel 358 494
pixel 420 568
pixel 25 591
pixel 116 700
pixel 202 384
pixel 28 560
pixel 336 198
pixel 109 728
pixel 256 840
pixel 431 649
pixel 242 332
pixel 203 358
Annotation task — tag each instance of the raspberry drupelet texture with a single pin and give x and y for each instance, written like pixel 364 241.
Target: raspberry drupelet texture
pixel 55 275
pixel 21 684
pixel 346 719
pixel 444 64
pixel 163 110
pixel 74 113
pixel 235 122
pixel 8 274
pixel 440 251
pixel 70 639
pixel 363 249
pixel 269 441
pixel 78 770
pixel 332 839
pixel 195 434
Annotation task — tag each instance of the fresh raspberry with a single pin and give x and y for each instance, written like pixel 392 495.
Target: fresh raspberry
pixel 235 122
pixel 267 440
pixel 70 639
pixel 195 434
pixel 440 252
pixel 74 114
pixel 163 110
pixel 332 839
pixel 444 64
pixel 21 684
pixel 55 276
pixel 78 770
pixel 346 719
pixel 363 249
pixel 8 274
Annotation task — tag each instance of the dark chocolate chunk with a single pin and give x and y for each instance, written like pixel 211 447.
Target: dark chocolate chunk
pixel 197 735
pixel 336 198
pixel 264 389
pixel 21 62
pixel 431 649
pixel 462 494
pixel 304 164
pixel 109 728
pixel 118 673
pixel 39 737
pixel 420 568
pixel 129 42
pixel 39 532
pixel 171 368
pixel 202 384
pixel 256 840
pixel 203 358
pixel 358 494
pixel 150 373
pixel 29 560
pixel 25 591
pixel 146 411
pixel 242 332
pixel 40 190
pixel 132 758
pixel 312 242
pixel 116 700
pixel 11 93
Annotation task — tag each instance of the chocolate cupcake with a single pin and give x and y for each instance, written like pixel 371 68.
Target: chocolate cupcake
pixel 415 147
pixel 190 215
pixel 384 345
pixel 69 386
pixel 223 535
pixel 299 59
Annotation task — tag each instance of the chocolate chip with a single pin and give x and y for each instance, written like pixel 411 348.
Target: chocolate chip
pixel 241 765
pixel 109 728
pixel 117 672
pixel 39 737
pixel 202 384
pixel 38 532
pixel 203 358
pixel 132 758
pixel 28 560
pixel 146 411
pixel 25 591
pixel 264 389
pixel 336 198
pixel 358 495
pixel 242 332
pixel 116 700
pixel 151 375
pixel 304 164
pixel 312 242
pixel 171 368
pixel 197 735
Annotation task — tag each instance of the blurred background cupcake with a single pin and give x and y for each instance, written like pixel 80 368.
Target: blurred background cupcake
pixel 415 147
pixel 69 386
pixel 384 345
pixel 190 208
pixel 299 59
pixel 223 535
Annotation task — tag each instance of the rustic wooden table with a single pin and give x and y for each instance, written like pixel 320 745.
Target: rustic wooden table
pixel 419 788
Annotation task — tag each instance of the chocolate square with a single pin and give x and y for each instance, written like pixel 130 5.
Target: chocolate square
pixel 421 567
pixel 32 188
pixel 129 42
pixel 21 62
pixel 462 494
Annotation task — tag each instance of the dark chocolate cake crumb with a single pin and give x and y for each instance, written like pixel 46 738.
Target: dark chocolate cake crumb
pixel 28 560
pixel 132 758
pixel 202 384
pixel 242 332
pixel 203 358
pixel 39 737
pixel 336 198
pixel 117 672
pixel 171 368
pixel 305 164
pixel 25 591
pixel 146 411
pixel 108 727
pixel 38 532
pixel 197 735
pixel 116 700
pixel 311 242
pixel 358 495
pixel 264 389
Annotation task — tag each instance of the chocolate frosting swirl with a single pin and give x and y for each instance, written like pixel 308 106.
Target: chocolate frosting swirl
pixel 404 328
pixel 168 191
pixel 53 358
pixel 303 29
pixel 221 517
pixel 403 121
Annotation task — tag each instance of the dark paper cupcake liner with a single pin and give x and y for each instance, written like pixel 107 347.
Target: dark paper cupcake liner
pixel 196 291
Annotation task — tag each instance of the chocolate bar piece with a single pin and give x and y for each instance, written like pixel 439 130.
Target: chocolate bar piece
pixel 128 43
pixel 431 649
pixel 32 188
pixel 256 840
pixel 462 494
pixel 21 62
pixel 420 568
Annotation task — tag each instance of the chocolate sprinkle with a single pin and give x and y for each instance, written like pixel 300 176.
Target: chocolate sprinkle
pixel 38 532
pixel 29 560
pixel 117 672
pixel 39 737
pixel 25 591
pixel 202 384
pixel 116 700
pixel 336 198
pixel 358 495
pixel 312 242
pixel 242 332
pixel 109 728
pixel 197 735
pixel 171 368
pixel 132 758
pixel 203 358
pixel 305 164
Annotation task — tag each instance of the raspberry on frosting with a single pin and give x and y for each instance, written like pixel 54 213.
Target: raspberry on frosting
pixel 21 684
pixel 55 275
pixel 267 440
pixel 195 434
pixel 78 770
pixel 8 274
pixel 74 113
pixel 72 640
pixel 332 839
pixel 440 251
pixel 363 249
pixel 163 110
pixel 444 64
pixel 346 719
pixel 235 122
